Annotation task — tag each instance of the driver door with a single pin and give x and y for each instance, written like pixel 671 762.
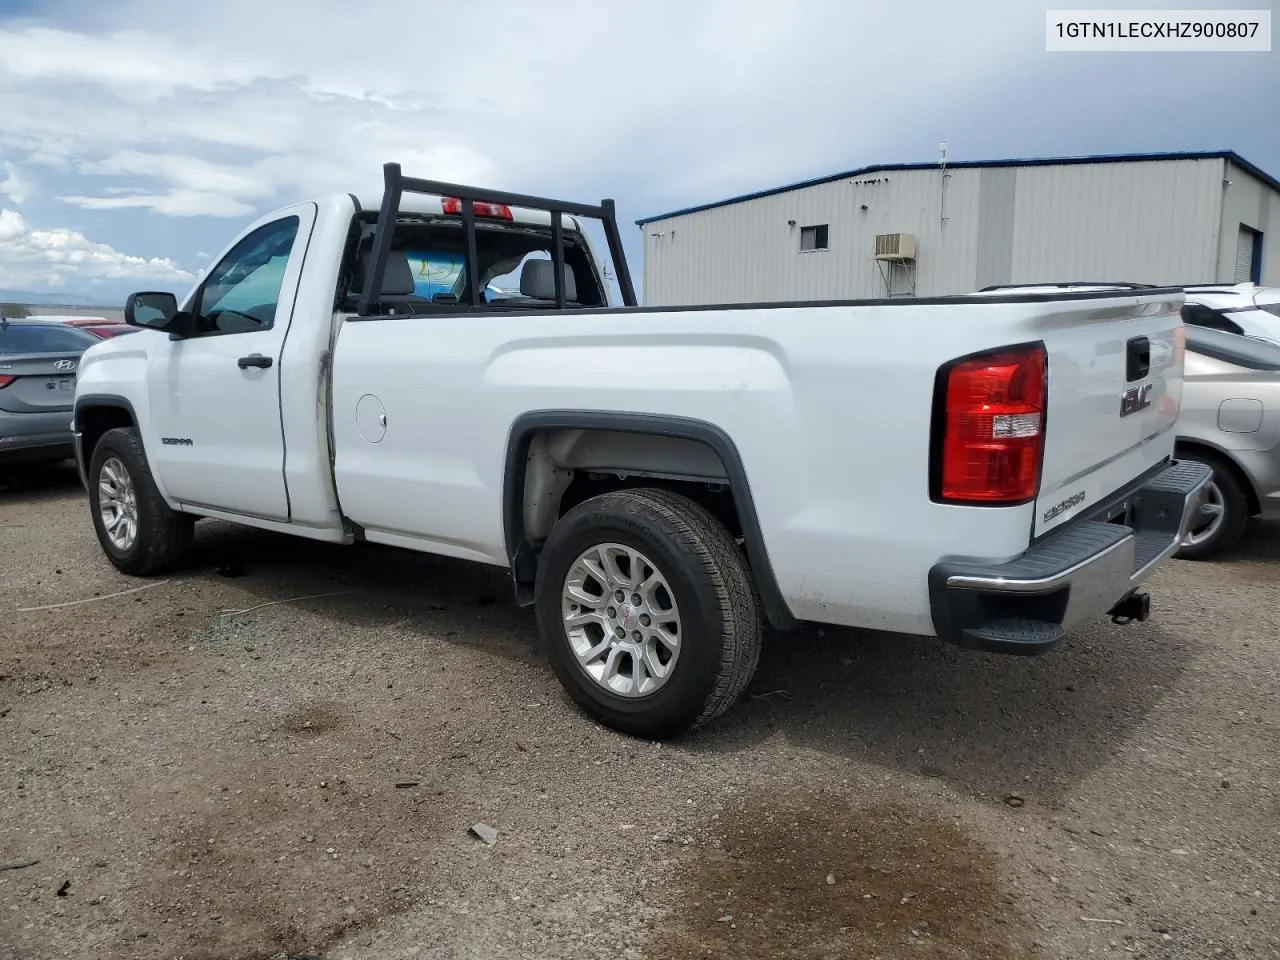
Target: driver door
pixel 215 396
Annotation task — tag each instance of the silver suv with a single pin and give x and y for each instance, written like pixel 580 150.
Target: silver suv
pixel 1242 308
pixel 1228 420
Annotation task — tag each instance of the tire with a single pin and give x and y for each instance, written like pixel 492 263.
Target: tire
pixel 1225 492
pixel 161 535
pixel 702 575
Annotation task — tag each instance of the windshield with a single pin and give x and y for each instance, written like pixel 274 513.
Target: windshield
pixel 1248 352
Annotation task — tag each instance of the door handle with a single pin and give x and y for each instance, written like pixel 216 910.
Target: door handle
pixel 253 360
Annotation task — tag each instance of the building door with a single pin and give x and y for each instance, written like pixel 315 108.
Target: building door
pixel 1248 256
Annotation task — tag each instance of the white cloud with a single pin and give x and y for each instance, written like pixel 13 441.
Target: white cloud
pixel 127 60
pixel 54 257
pixel 179 111
pixel 184 113
pixel 13 186
pixel 175 203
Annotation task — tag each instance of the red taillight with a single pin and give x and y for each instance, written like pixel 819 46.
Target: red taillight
pixel 6 380
pixel 993 423
pixel 492 211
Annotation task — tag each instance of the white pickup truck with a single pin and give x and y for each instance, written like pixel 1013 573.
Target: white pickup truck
pixel 661 482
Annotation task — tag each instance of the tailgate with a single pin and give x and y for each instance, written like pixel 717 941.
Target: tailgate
pixel 1114 389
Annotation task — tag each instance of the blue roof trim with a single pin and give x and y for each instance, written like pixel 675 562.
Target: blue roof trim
pixel 1229 155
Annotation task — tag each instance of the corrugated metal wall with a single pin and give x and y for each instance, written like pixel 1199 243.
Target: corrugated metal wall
pixel 1154 222
pixel 1251 203
pixel 749 252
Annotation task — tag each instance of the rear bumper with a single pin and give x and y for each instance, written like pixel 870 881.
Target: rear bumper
pixel 1027 605
pixel 44 435
pixel 27 447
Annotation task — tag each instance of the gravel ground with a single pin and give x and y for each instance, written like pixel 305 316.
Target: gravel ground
pixel 202 776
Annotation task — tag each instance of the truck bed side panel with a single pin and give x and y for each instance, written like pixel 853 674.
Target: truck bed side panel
pixel 828 408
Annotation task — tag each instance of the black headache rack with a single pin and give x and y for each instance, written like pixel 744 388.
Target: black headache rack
pixel 396 184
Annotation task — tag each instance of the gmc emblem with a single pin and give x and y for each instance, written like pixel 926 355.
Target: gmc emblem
pixel 1135 399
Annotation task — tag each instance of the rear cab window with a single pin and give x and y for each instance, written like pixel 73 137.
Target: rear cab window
pixel 513 265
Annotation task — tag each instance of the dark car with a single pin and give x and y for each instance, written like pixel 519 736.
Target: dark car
pixel 38 364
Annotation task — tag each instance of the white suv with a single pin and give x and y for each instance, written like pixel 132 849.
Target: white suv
pixel 1243 308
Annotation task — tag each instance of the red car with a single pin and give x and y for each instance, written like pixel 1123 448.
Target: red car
pixel 100 327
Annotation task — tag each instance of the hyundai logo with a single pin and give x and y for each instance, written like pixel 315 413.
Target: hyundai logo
pixel 64 365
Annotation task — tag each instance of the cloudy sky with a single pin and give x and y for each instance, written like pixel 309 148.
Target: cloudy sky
pixel 137 136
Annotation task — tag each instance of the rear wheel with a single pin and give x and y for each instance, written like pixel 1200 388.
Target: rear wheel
pixel 1223 516
pixel 645 605
pixel 136 529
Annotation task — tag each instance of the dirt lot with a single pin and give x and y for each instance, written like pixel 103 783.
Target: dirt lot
pixel 202 776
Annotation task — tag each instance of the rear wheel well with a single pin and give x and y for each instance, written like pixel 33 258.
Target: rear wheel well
pixel 714 497
pixel 553 467
pixel 565 467
pixel 94 421
pixel 1217 456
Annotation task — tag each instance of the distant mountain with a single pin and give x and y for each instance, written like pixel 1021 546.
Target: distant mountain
pixel 61 299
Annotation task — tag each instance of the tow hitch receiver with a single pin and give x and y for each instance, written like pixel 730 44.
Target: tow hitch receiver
pixel 1135 606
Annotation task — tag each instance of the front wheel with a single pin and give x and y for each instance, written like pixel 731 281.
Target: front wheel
pixel 645 605
pixel 1223 516
pixel 136 529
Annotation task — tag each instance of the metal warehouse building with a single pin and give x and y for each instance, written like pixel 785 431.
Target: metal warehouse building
pixel 903 230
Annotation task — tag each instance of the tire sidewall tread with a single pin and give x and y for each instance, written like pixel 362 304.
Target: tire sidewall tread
pixel 707 573
pixel 163 534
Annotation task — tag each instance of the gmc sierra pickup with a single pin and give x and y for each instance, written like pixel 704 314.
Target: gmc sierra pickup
pixel 442 371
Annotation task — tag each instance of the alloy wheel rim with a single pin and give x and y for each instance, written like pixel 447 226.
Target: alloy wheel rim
pixel 621 620
pixel 1210 519
pixel 118 504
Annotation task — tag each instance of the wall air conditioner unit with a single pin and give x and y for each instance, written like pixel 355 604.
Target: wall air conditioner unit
pixel 895 247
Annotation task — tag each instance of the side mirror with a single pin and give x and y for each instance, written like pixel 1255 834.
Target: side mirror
pixel 150 310
pixel 158 311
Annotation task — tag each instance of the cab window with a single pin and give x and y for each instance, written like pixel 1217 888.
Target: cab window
pixel 242 292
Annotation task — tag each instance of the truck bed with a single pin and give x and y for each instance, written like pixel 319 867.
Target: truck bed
pixel 828 406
